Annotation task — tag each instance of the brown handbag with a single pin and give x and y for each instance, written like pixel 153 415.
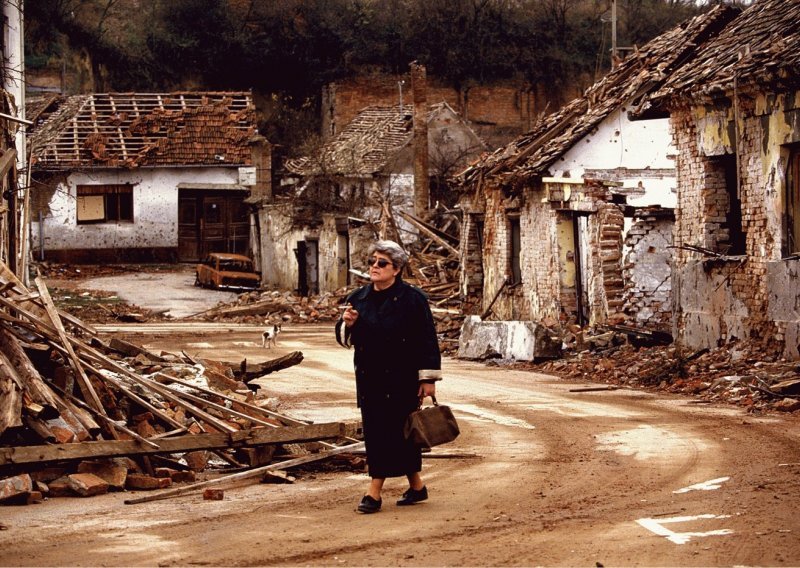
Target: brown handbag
pixel 431 426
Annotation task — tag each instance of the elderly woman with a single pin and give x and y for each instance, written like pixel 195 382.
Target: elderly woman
pixel 397 364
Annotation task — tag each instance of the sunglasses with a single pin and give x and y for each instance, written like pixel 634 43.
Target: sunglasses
pixel 381 262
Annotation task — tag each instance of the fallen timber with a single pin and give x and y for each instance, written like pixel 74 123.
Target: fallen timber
pixel 213 441
pixel 67 399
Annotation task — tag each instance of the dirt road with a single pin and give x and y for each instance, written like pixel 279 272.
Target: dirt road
pixel 560 478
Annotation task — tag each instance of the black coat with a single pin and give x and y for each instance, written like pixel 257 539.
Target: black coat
pixel 394 338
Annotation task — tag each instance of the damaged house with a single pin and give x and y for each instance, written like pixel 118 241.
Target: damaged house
pixel 383 171
pixel 735 116
pixel 545 231
pixel 123 177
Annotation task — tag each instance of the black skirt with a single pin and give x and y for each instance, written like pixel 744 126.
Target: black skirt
pixel 388 452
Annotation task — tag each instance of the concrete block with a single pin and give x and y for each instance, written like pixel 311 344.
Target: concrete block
pixel 519 340
pixel 16 487
pixel 87 484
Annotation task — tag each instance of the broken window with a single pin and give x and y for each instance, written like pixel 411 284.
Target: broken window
pixel 723 205
pixel 515 249
pixel 103 203
pixel 792 207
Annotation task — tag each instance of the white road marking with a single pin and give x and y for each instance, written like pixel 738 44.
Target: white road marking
pixel 709 485
pixel 657 527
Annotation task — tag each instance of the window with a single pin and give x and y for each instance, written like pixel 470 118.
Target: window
pixel 723 198
pixel 104 203
pixel 792 208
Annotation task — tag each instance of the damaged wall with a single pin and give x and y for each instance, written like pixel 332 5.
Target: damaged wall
pixel 280 238
pixel 497 112
pixel 155 211
pixel 647 269
pixel 548 254
pixel 735 297
pixel 638 154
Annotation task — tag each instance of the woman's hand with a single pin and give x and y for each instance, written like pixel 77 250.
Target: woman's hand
pixel 426 389
pixel 349 316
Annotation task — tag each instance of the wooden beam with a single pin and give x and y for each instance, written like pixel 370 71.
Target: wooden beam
pixel 421 226
pixel 7 160
pixel 218 440
pixel 84 383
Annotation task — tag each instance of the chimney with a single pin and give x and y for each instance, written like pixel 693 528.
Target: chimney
pixel 421 179
pixel 261 158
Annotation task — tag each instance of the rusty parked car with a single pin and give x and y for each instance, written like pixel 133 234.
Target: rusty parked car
pixel 225 270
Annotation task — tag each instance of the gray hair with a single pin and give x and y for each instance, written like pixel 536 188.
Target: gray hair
pixel 395 252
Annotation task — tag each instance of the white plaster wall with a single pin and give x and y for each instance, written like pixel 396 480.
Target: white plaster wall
pixel 155 209
pixel 278 241
pixel 620 143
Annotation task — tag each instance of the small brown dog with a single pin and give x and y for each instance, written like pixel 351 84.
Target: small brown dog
pixel 270 336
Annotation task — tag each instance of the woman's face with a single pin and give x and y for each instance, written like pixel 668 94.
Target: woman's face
pixel 381 276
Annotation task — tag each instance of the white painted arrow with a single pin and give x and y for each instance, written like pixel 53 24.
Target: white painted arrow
pixel 704 486
pixel 657 527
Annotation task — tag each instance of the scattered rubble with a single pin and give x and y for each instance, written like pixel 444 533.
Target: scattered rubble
pixel 79 416
pixel 743 373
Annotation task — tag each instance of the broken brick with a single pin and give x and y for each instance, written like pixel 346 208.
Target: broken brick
pixel 15 487
pixel 87 484
pixel 213 494
pixel 197 461
pixel 144 482
pixel 112 472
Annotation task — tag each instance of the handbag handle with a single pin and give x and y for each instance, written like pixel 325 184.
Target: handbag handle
pixel 433 398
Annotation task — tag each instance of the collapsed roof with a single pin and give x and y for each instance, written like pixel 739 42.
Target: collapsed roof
pixel 145 130
pixel 761 46
pixel 642 72
pixel 368 144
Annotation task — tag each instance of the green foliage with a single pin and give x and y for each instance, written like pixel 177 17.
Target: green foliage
pixel 291 48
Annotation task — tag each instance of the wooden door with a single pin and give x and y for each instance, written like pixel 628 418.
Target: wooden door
pixel 188 229
pixel 212 221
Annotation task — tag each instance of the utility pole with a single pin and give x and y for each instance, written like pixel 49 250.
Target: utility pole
pixel 614 57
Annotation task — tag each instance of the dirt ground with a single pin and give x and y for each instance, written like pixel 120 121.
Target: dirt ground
pixel 545 472
pixel 558 477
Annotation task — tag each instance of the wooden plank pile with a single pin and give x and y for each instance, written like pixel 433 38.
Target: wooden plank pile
pixel 79 416
pixel 434 266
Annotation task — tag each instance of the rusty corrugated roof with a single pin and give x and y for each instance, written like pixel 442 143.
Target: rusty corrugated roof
pixel 146 129
pixel 640 73
pixel 761 46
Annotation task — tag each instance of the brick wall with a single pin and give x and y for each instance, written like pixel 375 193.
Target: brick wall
pixel 647 270
pixel 542 296
pixel 722 299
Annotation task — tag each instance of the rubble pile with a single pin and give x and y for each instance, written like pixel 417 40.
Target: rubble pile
pixel 743 373
pixel 273 306
pixel 79 416
pixel 433 267
pixel 97 306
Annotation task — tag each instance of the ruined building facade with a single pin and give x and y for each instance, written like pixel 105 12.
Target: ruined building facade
pixel 735 117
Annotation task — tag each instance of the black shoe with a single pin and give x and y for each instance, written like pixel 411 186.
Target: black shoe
pixel 369 505
pixel 412 496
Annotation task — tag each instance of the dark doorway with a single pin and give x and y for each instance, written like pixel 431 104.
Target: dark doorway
pixel 212 221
